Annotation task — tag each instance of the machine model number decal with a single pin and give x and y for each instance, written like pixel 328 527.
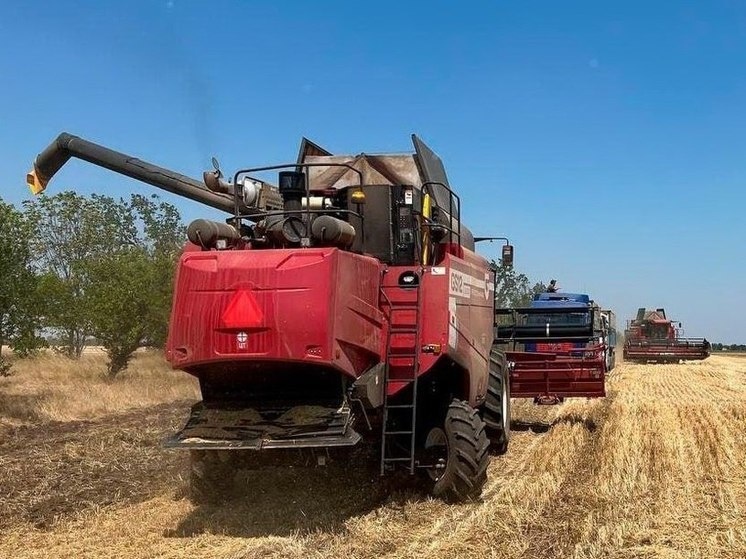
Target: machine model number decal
pixel 461 284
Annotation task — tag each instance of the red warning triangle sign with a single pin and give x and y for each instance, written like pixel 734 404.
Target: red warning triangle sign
pixel 242 312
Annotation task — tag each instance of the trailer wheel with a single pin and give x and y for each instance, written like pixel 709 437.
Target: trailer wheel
pixel 210 476
pixel 496 408
pixel 462 472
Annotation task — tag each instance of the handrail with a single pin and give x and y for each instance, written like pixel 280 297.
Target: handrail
pixel 427 190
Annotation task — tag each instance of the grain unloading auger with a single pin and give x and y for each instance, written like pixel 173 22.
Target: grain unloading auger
pixel 560 347
pixel 344 306
pixel 651 337
pixel 66 146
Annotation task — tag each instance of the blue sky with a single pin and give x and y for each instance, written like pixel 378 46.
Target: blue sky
pixel 605 139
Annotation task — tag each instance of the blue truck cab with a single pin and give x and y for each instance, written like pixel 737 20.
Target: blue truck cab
pixel 578 307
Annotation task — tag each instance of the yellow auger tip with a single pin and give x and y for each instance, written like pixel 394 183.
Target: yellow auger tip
pixel 35 183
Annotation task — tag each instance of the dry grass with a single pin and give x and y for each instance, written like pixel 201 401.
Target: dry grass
pixel 736 354
pixel 52 387
pixel 656 470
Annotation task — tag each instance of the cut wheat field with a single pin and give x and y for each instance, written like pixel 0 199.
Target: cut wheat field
pixel 655 470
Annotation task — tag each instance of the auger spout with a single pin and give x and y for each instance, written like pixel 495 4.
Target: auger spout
pixel 65 146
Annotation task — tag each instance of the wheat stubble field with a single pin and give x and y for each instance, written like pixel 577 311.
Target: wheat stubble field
pixel 655 470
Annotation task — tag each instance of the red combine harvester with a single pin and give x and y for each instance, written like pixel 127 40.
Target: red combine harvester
pixel 345 304
pixel 562 346
pixel 653 338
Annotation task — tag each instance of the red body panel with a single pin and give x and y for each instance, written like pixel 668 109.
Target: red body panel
pixel 315 305
pixel 471 318
pixel 457 316
pixel 324 307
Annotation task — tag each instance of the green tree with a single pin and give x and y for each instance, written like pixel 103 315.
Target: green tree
pixel 71 231
pixel 107 270
pixel 162 236
pixel 122 303
pixel 513 289
pixel 129 296
pixel 18 311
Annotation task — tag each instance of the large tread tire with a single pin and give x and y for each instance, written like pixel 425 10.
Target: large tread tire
pixel 211 478
pixel 468 455
pixel 496 408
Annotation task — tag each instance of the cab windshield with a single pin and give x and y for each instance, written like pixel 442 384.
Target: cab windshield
pixel 569 318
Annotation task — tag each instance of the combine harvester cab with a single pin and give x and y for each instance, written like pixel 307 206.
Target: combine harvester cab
pixel 653 338
pixel 560 347
pixel 345 305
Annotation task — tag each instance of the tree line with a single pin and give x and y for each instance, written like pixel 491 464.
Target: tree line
pixel 76 269
pixel 728 347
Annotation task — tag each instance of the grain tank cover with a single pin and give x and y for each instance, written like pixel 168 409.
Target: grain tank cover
pixel 376 169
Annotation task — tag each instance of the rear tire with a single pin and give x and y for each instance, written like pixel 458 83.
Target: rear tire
pixel 211 476
pixel 467 446
pixel 496 408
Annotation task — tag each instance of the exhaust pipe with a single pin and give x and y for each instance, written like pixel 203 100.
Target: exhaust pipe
pixel 51 160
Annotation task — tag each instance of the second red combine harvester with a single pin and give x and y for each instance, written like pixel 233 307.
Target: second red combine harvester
pixel 653 338
pixel 345 304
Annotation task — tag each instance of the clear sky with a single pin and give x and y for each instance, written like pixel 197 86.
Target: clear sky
pixel 606 139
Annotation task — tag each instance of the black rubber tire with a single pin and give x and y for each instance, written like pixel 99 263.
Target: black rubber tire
pixel 495 417
pixel 468 455
pixel 210 477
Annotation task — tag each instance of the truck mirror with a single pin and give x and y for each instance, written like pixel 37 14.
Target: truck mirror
pixel 507 259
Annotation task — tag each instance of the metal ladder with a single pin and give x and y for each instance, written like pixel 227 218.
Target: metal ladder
pixel 399 418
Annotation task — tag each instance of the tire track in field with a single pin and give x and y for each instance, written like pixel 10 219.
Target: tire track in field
pixel 407 531
pixel 516 495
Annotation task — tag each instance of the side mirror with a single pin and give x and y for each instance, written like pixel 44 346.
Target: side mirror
pixel 507 258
